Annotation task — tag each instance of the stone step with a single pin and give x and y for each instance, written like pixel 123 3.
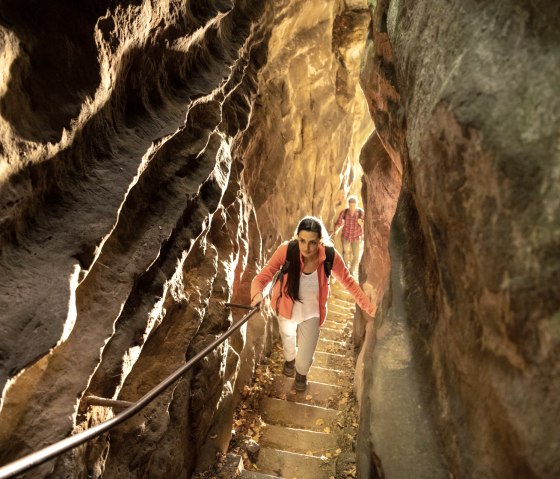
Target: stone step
pixel 340 294
pixel 329 360
pixel 233 466
pixel 256 475
pixel 347 309
pixel 341 297
pixel 330 346
pixel 326 376
pixel 340 318
pixel 333 325
pixel 316 393
pixel 312 443
pixel 338 286
pixel 345 299
pixel 300 416
pixel 332 334
pixel 293 465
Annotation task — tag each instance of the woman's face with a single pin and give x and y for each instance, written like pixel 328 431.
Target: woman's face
pixel 308 243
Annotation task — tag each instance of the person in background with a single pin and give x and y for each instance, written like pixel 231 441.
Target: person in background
pixel 351 221
pixel 300 295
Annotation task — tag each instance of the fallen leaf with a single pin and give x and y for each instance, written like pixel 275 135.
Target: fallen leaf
pixel 319 422
pixel 309 397
pixel 327 430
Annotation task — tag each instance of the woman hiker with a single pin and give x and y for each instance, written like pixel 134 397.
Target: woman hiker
pixel 300 295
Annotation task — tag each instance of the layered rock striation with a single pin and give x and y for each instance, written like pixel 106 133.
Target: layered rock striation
pixel 464 97
pixel 124 228
pixel 155 153
pixel 152 154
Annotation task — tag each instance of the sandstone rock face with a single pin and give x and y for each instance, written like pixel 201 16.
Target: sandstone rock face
pixel 155 153
pixel 465 100
pixel 152 155
pixel 310 119
pixel 123 226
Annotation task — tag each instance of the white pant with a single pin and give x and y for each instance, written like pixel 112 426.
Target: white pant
pixel 307 334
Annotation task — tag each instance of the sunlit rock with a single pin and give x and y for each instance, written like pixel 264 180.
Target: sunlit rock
pixel 118 166
pixel 310 119
pixel 155 153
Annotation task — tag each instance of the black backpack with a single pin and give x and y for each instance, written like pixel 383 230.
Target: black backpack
pixel 360 213
pixel 293 255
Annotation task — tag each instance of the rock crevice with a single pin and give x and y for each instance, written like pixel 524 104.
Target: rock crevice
pixel 153 155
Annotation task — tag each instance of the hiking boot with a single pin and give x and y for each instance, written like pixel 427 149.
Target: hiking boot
pixel 301 382
pixel 289 368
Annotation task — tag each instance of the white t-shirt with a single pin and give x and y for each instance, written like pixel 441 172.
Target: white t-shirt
pixel 309 295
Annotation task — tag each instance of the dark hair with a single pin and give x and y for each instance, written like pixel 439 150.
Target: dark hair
pixel 310 223
pixel 314 225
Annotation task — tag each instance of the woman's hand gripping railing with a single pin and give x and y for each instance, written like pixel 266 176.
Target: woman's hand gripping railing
pixel 39 457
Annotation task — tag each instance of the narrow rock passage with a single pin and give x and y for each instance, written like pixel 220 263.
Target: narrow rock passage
pixel 310 434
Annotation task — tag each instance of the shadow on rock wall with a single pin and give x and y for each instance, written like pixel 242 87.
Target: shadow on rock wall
pixel 462 98
pixel 119 249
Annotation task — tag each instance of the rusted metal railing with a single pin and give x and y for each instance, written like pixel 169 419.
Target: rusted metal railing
pixel 131 408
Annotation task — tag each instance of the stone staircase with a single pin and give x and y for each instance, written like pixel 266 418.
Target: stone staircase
pixel 305 435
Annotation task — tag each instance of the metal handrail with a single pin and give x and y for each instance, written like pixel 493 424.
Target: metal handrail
pixel 39 457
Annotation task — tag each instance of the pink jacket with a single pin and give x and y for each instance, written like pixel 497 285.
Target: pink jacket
pixel 285 304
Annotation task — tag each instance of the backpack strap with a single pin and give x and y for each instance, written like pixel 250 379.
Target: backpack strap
pixel 360 213
pixel 329 260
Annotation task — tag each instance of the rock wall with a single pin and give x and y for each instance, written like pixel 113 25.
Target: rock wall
pixel 123 226
pixel 310 118
pixel 153 153
pixel 464 96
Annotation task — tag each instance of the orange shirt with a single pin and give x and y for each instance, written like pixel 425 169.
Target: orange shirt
pixel 284 305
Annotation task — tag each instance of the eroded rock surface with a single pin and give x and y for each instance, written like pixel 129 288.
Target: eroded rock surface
pixel 153 153
pixel 464 98
pixel 310 119
pixel 124 229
